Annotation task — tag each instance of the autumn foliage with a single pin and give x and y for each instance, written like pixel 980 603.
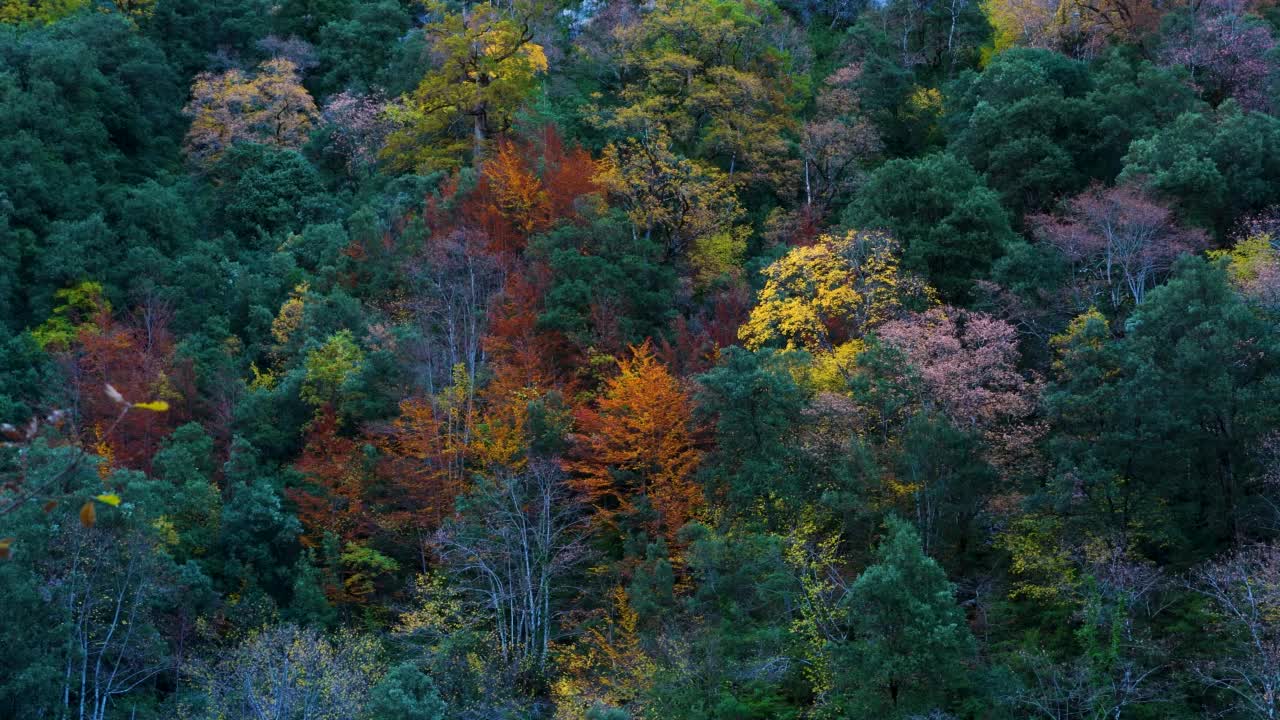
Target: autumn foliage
pixel 638 441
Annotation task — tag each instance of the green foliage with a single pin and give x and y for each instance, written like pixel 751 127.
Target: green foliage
pixel 605 265
pixel 405 693
pixel 910 641
pixel 1192 385
pixel 950 224
pixel 355 53
pixel 1218 166
pixel 755 406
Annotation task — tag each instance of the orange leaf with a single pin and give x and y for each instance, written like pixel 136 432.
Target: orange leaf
pixel 88 516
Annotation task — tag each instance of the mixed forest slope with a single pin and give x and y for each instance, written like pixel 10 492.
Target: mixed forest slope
pixel 662 360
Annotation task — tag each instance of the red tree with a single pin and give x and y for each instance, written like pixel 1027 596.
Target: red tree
pixel 136 357
pixel 334 498
pixel 1227 50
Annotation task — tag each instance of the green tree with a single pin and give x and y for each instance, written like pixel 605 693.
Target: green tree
pixel 1155 432
pixel 609 288
pixel 355 53
pixel 754 405
pixel 405 693
pixel 910 643
pixel 1218 166
pixel 950 224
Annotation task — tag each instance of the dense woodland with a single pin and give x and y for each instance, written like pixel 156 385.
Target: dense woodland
pixel 616 360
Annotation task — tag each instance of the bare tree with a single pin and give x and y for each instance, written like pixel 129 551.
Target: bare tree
pixel 290 673
pixel 455 278
pixel 108 586
pixel 517 537
pixel 1120 667
pixel 1119 241
pixel 1244 589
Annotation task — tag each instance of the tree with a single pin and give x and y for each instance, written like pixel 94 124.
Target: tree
pixel 113 365
pixel 355 52
pixel 1189 386
pixel 485 65
pixel 838 141
pixel 967 363
pixel 820 296
pixel 292 673
pixel 19 12
pixel 424 456
pixel 1244 593
pixel 336 500
pixel 716 78
pixel 607 288
pixel 454 277
pixel 683 200
pixel 1026 124
pixel 950 224
pixel 1254 266
pixel 269 108
pixel 1225 48
pixel 516 537
pixel 754 405
pixel 357 128
pixel 517 192
pixel 330 368
pixel 1217 167
pixel 405 693
pixel 910 637
pixel 1119 242
pixel 1079 28
pixel 638 442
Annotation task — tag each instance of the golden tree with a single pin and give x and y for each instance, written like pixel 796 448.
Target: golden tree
pixel 270 108
pixel 820 296
pixel 639 441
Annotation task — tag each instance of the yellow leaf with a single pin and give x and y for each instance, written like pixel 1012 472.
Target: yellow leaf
pixel 109 498
pixel 5 543
pixel 88 516
pixel 153 406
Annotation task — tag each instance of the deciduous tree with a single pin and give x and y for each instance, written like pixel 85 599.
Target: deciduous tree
pixel 269 107
pixel 638 441
pixel 485 65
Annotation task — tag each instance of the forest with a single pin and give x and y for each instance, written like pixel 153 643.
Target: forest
pixel 639 359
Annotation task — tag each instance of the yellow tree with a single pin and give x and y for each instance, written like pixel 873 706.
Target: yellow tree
pixel 269 107
pixel 717 75
pixel 21 12
pixel 486 64
pixel 639 441
pixel 685 201
pixel 820 297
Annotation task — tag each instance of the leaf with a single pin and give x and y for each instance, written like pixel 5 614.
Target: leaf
pixel 153 406
pixel 5 544
pixel 115 395
pixel 49 506
pixel 109 498
pixel 88 516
